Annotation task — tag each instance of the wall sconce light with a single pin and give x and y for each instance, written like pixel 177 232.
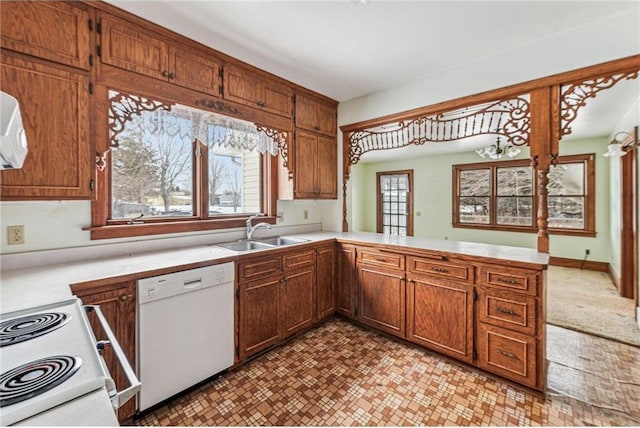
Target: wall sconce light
pixel 614 149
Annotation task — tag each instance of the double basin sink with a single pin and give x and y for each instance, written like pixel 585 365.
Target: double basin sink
pixel 261 244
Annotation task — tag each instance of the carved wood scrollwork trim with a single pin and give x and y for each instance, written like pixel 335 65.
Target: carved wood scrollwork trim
pixel 574 96
pixel 508 118
pixel 280 137
pixel 122 107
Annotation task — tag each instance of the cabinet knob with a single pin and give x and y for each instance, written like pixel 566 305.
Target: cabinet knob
pixel 172 75
pixel 124 297
pixel 165 73
pixel 317 128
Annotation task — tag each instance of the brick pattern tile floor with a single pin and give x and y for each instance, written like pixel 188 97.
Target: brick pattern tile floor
pixel 341 374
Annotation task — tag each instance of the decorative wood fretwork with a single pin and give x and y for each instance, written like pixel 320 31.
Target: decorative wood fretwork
pixel 122 108
pixel 575 95
pixel 280 137
pixel 508 118
pixel 218 105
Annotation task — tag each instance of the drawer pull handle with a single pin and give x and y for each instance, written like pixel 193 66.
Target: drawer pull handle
pixel 437 269
pixel 380 259
pixel 507 281
pixel 505 311
pixel 507 354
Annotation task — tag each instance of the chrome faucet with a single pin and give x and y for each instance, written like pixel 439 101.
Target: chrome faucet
pixel 251 229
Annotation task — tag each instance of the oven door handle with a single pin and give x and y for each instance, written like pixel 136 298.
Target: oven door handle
pixel 134 384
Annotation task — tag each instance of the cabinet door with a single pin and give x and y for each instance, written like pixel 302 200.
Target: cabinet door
pixel 346 279
pixel 259 315
pixel 133 48
pixel 306 165
pixel 54 104
pixel 298 301
pixel 440 316
pixel 326 115
pixel 241 86
pixel 118 304
pixel 325 281
pixel 194 70
pixel 315 116
pixel 381 302
pixel 56 31
pixel 277 98
pixel 327 167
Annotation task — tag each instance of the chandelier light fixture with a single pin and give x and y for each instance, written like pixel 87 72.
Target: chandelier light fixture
pixel 496 152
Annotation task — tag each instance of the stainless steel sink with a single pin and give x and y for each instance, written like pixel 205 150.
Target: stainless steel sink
pixel 279 241
pixel 245 245
pixel 260 244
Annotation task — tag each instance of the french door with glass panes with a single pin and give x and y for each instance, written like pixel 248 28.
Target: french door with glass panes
pixel 395 202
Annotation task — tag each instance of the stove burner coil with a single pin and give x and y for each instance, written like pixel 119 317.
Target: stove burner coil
pixel 27 327
pixel 34 378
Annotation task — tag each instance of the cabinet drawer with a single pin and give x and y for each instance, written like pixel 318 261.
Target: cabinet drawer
pixel 299 259
pixel 442 268
pixel 253 269
pixel 507 353
pixel 373 257
pixel 505 309
pixel 508 278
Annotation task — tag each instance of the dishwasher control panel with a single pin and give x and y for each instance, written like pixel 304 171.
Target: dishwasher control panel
pixel 160 287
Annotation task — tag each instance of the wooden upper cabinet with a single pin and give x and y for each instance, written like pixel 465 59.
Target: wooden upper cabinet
pixel 55 112
pixel 315 174
pixel 248 88
pixel 55 31
pixel 195 70
pixel 133 48
pixel 315 116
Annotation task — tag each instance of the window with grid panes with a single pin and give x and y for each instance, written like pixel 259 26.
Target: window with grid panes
pixel 395 213
pixel 503 196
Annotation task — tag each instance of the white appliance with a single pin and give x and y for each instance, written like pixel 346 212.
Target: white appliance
pixel 50 362
pixel 185 330
pixel 13 139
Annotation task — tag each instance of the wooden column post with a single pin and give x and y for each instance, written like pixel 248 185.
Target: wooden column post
pixel 346 169
pixel 543 141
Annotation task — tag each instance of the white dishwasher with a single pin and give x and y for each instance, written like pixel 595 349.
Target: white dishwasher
pixel 185 330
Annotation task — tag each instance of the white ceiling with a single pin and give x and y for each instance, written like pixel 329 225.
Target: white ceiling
pixel 348 48
pixel 344 49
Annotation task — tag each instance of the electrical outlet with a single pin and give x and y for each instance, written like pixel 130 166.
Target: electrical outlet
pixel 587 252
pixel 15 235
pixel 418 213
pixel 305 215
pixel 280 217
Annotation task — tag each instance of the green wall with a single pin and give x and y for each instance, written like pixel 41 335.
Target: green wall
pixel 432 177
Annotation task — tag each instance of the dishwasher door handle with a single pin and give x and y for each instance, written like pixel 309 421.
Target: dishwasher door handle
pixel 195 283
pixel 128 393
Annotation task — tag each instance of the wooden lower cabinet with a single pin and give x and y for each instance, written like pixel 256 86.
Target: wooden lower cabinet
pixel 118 304
pixel 259 315
pixel 298 301
pixel 325 281
pixel 346 280
pixel 440 316
pixel 509 354
pixel 278 305
pixel 381 299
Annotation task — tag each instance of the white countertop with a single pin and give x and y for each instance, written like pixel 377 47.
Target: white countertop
pixel 24 288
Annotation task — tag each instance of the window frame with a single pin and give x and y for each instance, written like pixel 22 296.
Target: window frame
pixel 588 160
pixel 103 227
pixel 379 205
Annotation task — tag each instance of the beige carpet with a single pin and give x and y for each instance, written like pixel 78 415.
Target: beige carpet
pixel 587 301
